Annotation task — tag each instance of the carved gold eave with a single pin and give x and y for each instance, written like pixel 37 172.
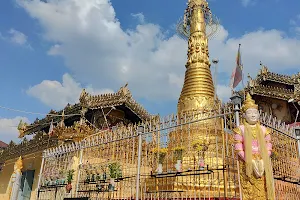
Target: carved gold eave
pixel 55 116
pixel 123 96
pixel 264 74
pixel 272 92
pixel 75 133
pixel 22 128
pixel 38 143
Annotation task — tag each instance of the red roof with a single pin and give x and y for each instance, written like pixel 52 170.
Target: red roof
pixel 3 144
pixel 296 124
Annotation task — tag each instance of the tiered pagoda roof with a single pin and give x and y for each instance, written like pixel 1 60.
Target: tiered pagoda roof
pixel 123 97
pixel 70 122
pixel 288 87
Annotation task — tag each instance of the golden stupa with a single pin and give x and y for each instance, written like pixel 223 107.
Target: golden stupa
pixel 201 143
pixel 198 90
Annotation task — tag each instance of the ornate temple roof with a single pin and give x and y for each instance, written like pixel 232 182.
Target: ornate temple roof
pixel 256 86
pixel 264 74
pixel 87 101
pixel 123 96
pixel 3 144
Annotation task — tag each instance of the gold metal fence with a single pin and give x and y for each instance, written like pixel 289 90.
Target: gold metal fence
pixel 176 157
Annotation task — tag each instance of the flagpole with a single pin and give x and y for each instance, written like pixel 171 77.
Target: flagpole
pixel 233 76
pixel 242 67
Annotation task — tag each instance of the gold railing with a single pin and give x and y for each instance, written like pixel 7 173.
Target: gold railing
pixel 173 157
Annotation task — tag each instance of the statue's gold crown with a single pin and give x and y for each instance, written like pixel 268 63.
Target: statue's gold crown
pixel 249 103
pixel 19 163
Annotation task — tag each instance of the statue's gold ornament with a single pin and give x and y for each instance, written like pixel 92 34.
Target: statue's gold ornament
pixel 198 90
pixel 253 146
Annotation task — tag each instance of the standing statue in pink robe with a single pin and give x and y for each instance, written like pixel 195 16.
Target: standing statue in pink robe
pixel 253 146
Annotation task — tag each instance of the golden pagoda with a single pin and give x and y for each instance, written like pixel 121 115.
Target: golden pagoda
pixel 198 89
pixel 200 143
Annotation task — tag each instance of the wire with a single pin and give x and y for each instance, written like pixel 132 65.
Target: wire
pixel 90 123
pixel 36 113
pixel 56 122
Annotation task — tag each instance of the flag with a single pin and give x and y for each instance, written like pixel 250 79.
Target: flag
pixel 50 133
pixel 237 74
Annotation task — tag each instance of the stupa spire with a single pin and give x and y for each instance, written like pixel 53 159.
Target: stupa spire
pixel 198 89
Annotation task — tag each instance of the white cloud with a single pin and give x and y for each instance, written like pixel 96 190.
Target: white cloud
pixel 97 50
pixel 58 95
pixel 139 16
pixel 246 3
pixel 297 29
pixel 16 37
pixel 8 129
pixel 295 24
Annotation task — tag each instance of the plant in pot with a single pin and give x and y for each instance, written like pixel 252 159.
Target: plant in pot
pixel 93 177
pixel 51 179
pixel 178 154
pixel 100 186
pixel 161 154
pixel 70 175
pixel 115 172
pixel 103 177
pixel 61 177
pixel 274 155
pixel 56 174
pixel 46 177
pixel 200 147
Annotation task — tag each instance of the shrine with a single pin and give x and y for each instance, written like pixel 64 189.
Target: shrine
pixel 109 147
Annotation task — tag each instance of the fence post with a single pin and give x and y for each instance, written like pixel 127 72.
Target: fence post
pixel 79 169
pixel 139 132
pixel 40 175
pixel 297 134
pixel 237 115
pixel 236 100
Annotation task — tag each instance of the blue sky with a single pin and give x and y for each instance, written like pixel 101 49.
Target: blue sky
pixel 50 51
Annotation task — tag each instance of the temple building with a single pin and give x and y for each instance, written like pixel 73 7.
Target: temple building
pixel 93 113
pixel 3 145
pixel 276 94
pixel 109 147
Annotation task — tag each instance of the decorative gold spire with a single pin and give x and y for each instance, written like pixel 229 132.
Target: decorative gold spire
pixel 249 103
pixel 21 128
pixel 198 89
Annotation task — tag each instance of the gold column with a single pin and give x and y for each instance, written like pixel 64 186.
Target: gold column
pixel 198 90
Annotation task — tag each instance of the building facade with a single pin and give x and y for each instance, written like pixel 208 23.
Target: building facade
pixel 276 94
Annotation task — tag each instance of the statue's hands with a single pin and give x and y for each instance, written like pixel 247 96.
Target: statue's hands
pixel 261 166
pixel 258 167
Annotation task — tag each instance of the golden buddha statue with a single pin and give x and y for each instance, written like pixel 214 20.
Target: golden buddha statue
pixel 253 146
